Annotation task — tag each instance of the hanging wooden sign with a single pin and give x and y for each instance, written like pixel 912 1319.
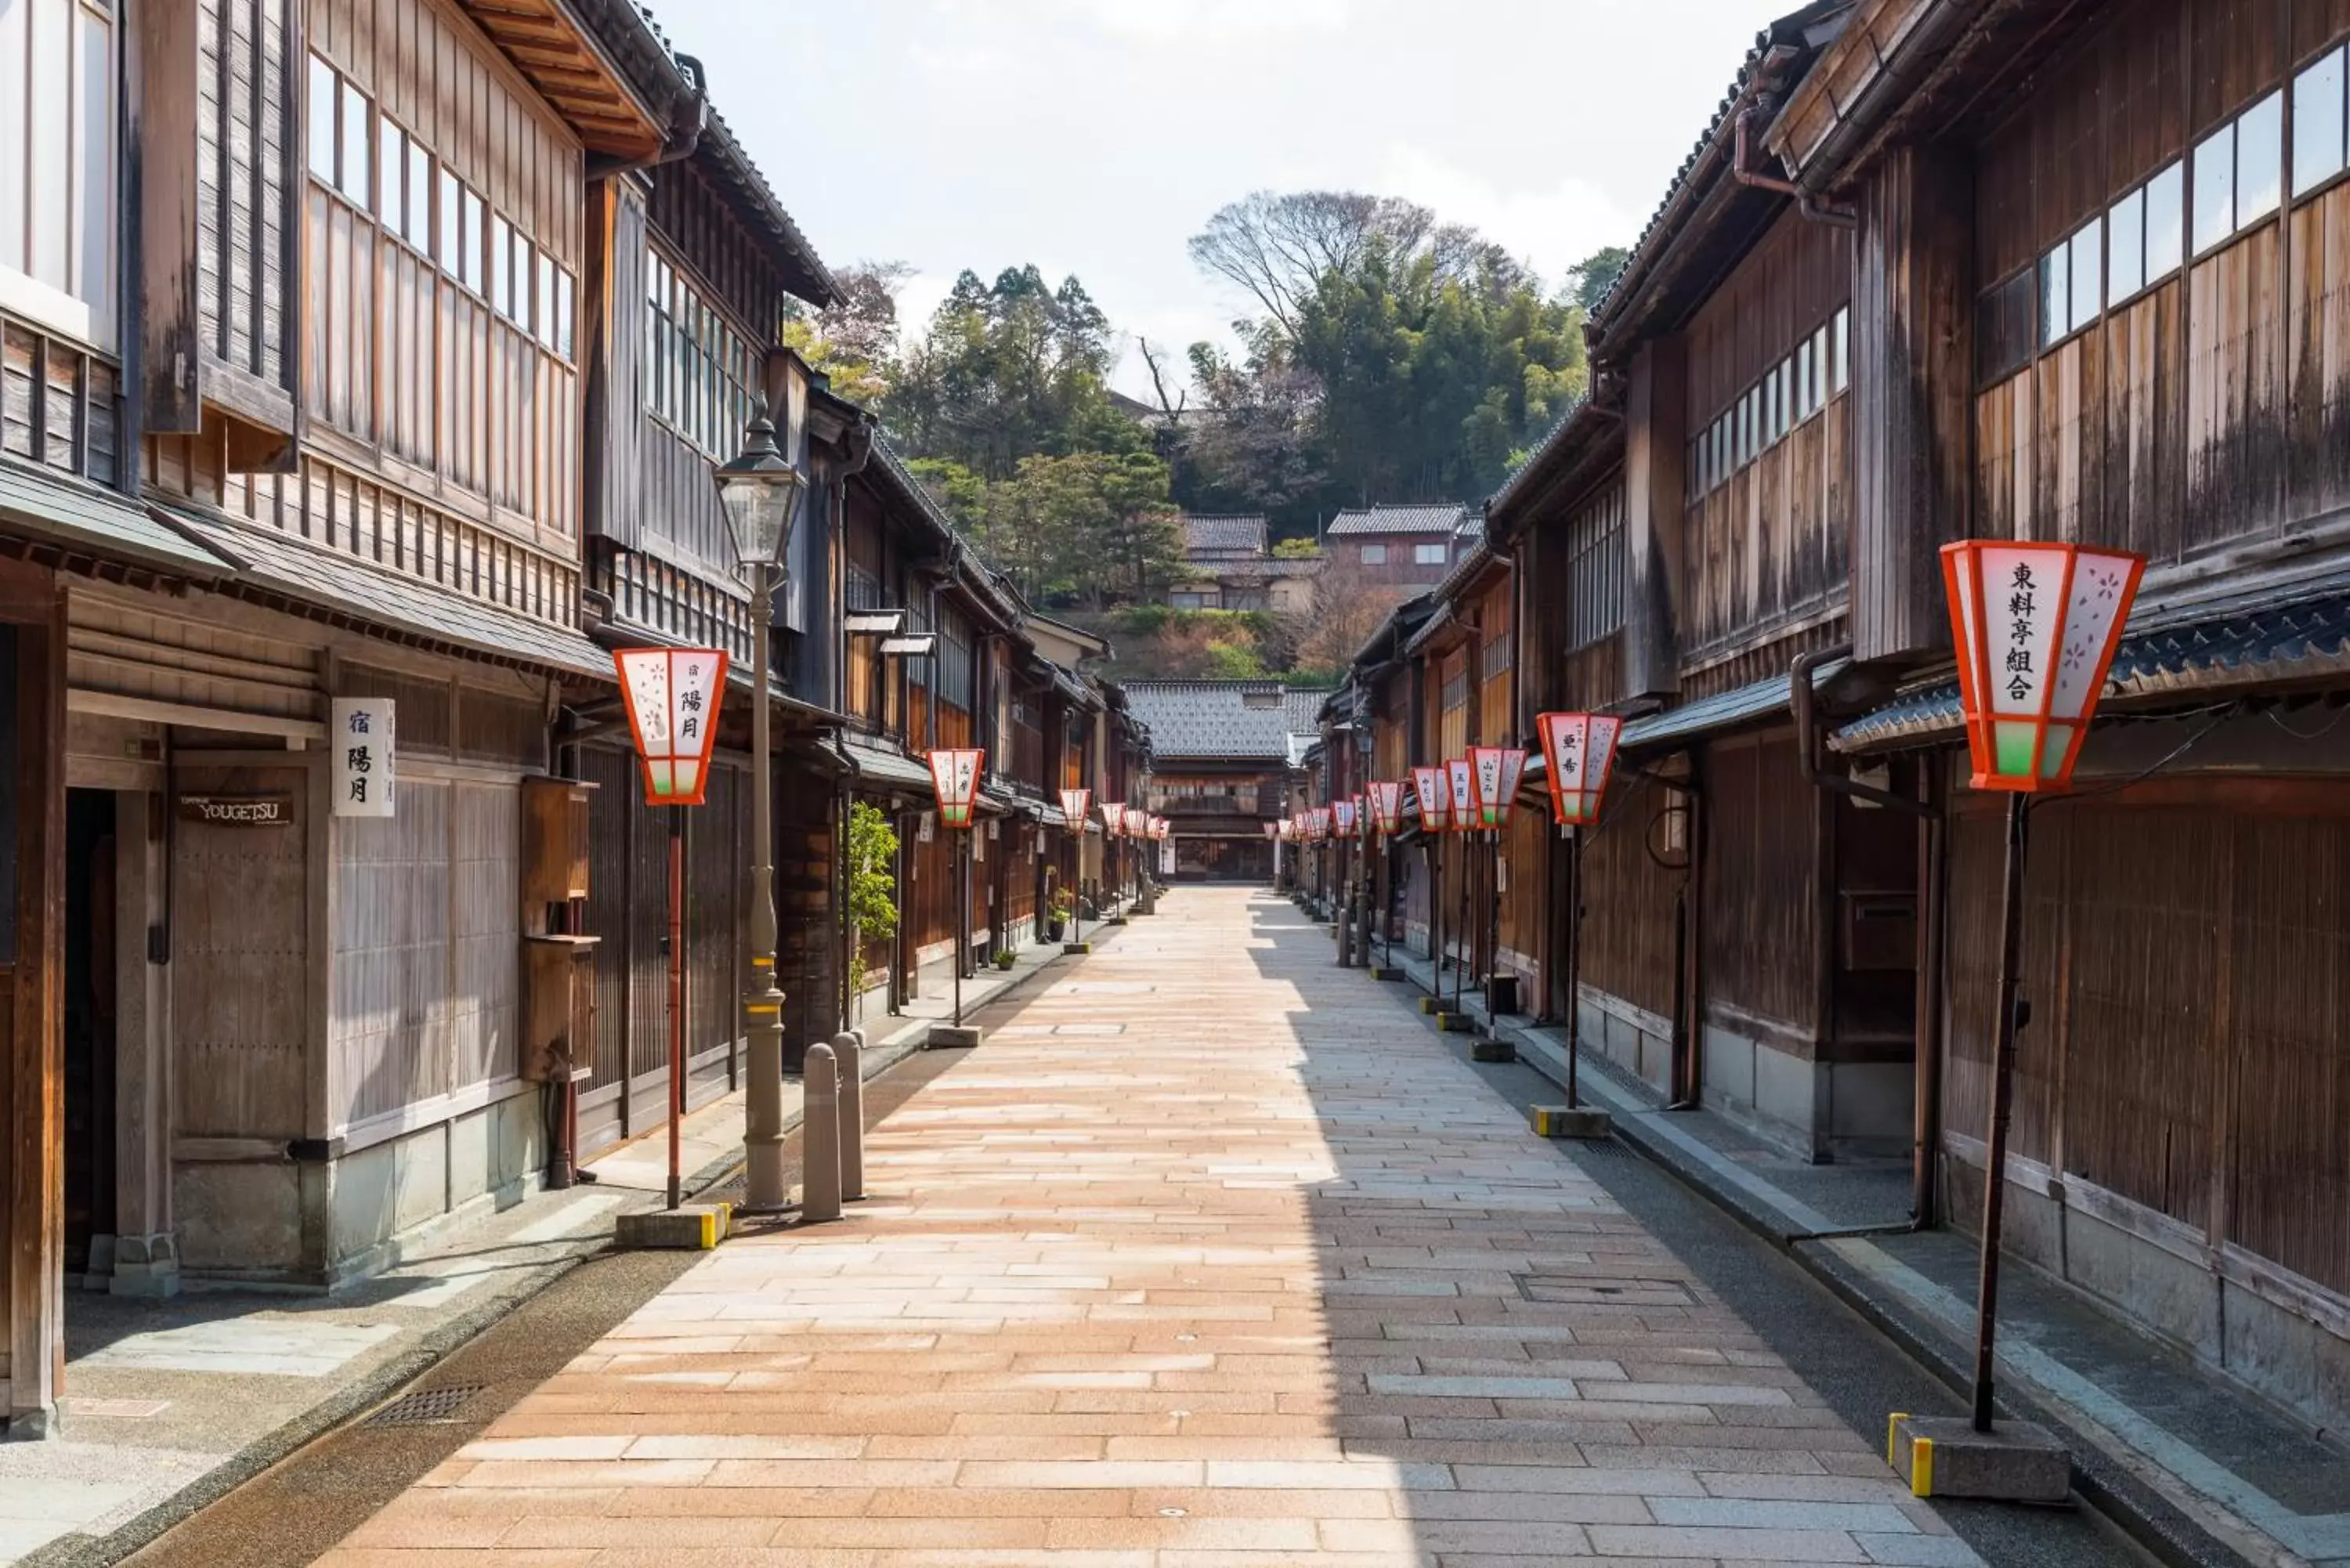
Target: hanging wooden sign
pixel 271 808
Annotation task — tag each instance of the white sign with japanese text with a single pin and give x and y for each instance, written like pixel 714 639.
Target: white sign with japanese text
pixel 361 738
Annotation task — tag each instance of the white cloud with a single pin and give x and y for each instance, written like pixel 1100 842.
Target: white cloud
pixel 1202 22
pixel 1552 227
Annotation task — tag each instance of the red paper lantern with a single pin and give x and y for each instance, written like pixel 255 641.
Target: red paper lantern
pixel 1272 830
pixel 954 775
pixel 1579 750
pixel 1428 786
pixel 1075 804
pixel 1342 814
pixel 1495 772
pixel 1384 799
pixel 674 695
pixel 2036 625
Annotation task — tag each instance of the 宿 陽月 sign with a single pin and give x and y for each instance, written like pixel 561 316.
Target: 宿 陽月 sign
pixel 672 695
pixel 359 732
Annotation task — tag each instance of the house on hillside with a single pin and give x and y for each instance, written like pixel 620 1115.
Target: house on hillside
pixel 1415 545
pixel 1229 566
pixel 1224 755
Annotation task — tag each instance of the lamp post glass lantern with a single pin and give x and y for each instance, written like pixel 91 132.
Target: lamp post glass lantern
pixel 2035 626
pixel 760 489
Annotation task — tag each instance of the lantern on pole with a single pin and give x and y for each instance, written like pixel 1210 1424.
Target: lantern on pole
pixel 673 694
pixel 1579 753
pixel 954 778
pixel 1076 806
pixel 1495 772
pixel 1428 788
pixel 1384 799
pixel 1460 794
pixel 2035 626
pixel 1342 814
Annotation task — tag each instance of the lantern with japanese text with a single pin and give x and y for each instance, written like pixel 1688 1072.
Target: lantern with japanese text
pixel 1428 787
pixel 954 775
pixel 1076 806
pixel 1579 752
pixel 1160 827
pixel 673 694
pixel 1460 794
pixel 2036 625
pixel 1342 817
pixel 1112 818
pixel 1495 772
pixel 1318 822
pixel 1385 800
pixel 1272 829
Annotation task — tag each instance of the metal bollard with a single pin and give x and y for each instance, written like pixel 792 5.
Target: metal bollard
pixel 849 1051
pixel 820 1137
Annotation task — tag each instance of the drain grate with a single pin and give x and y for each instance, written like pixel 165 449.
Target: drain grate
pixel 1580 1290
pixel 425 1407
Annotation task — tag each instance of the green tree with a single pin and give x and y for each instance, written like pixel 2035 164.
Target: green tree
pixel 1008 371
pixel 1590 279
pixel 854 340
pixel 872 886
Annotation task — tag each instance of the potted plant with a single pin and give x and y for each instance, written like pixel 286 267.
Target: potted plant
pixel 1005 959
pixel 1057 909
pixel 872 888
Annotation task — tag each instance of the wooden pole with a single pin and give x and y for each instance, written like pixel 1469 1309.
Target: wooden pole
pixel 2003 1105
pixel 676 999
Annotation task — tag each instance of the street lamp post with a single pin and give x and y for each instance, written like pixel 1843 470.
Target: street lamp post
pixel 760 489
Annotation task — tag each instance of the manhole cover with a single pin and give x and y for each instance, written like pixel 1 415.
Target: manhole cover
pixel 425 1407
pixel 1578 1289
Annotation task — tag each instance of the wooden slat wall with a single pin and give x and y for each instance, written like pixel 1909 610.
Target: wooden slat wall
pixel 2215 408
pixel 485 933
pixel 56 404
pixel 613 771
pixel 242 90
pixel 390 1036
pixel 717 848
pixel 240 966
pixel 1761 884
pixel 490 420
pixel 1627 931
pixel 1526 848
pixel 2190 1048
pixel 1771 541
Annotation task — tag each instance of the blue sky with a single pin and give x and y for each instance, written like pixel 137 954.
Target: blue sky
pixel 1095 136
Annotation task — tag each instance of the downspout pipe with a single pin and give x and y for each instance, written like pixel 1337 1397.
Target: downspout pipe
pixel 1742 169
pixel 684 136
pixel 1925 1133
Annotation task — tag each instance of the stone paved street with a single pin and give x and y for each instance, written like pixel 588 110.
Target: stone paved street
pixel 1211 1255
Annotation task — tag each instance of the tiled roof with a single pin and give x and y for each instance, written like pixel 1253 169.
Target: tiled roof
pixel 1222 533
pixel 83 517
pixel 1214 719
pixel 1267 568
pixel 271 565
pixel 2306 638
pixel 1440 517
pixel 1724 710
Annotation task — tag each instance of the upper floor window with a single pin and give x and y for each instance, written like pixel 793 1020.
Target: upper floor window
pixel 2318 119
pixel 1455 693
pixel 2239 172
pixel 1428 555
pixel 1375 555
pixel 701 371
pixel 57 101
pixel 1787 394
pixel 340 117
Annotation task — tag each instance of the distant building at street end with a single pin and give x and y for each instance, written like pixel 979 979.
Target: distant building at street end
pixel 1225 758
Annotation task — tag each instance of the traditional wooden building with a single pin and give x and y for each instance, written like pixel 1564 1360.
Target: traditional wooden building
pixel 1222 754
pixel 1940 271
pixel 692 265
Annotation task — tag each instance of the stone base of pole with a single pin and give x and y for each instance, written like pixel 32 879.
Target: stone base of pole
pixel 1386 972
pixel 1492 1051
pixel 2015 1461
pixel 1558 1121
pixel 1076 948
pixel 691 1228
pixel 951 1037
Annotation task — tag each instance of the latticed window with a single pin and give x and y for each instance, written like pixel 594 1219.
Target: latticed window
pixel 699 371
pixel 1595 571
